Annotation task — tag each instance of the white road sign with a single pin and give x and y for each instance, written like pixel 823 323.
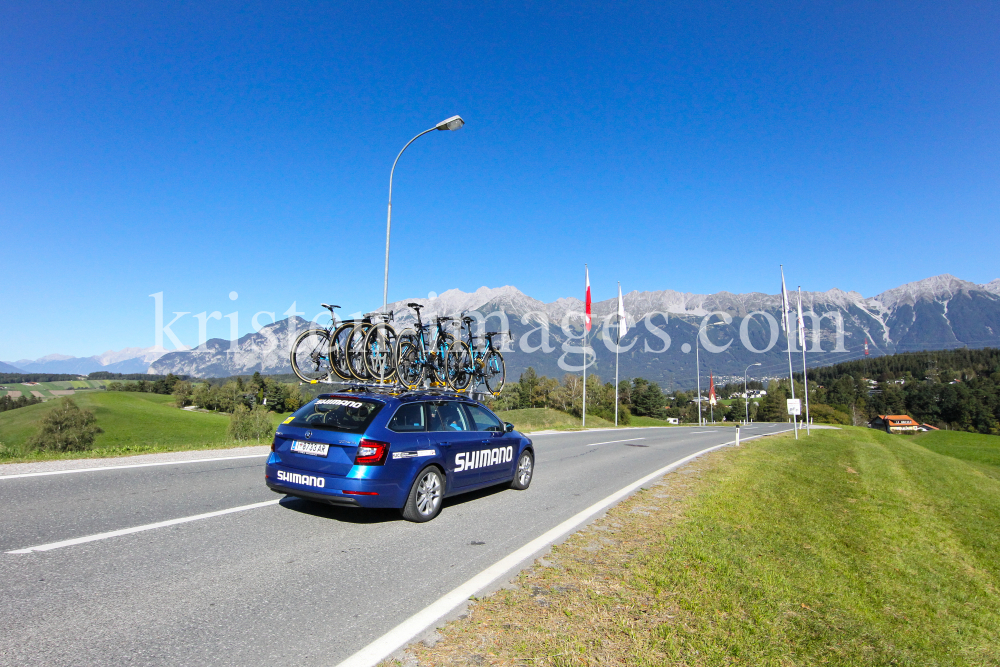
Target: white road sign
pixel 795 406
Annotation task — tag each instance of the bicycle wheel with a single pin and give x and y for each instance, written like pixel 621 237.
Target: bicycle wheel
pixel 338 351
pixel 310 355
pixel 458 366
pixel 380 352
pixel 408 366
pixel 356 351
pixel 441 346
pixel 495 372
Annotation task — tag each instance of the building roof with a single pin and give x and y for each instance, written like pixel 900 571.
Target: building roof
pixel 898 420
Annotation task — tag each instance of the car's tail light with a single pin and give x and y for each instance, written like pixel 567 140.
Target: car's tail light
pixel 371 453
pixel 273 443
pixel 361 493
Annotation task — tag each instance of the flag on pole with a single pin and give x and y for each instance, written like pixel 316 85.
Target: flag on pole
pixel 802 324
pixel 622 321
pixel 866 345
pixel 586 317
pixel 711 390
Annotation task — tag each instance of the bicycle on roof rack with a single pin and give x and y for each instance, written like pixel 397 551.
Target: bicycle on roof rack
pixel 471 364
pixel 343 351
pixel 311 351
pixel 417 359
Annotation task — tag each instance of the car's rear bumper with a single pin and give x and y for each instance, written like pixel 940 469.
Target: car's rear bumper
pixel 342 491
pixel 330 499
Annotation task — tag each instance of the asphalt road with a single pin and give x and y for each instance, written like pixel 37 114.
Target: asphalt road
pixel 291 583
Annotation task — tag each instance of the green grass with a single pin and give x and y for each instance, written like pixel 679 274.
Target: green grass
pixel 133 423
pixel 855 547
pixel 652 421
pixel 849 547
pixel 983 450
pixel 540 419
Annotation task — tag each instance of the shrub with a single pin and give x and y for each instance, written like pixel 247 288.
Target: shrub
pixel 247 424
pixel 66 428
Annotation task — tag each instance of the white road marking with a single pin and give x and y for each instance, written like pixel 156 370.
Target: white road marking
pixel 139 529
pixel 611 442
pixel 134 465
pixel 399 636
pixel 697 432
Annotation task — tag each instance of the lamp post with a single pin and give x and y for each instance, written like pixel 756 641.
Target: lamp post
pixel 453 123
pixel 746 394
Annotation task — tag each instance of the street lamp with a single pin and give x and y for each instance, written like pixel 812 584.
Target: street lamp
pixel 746 394
pixel 453 123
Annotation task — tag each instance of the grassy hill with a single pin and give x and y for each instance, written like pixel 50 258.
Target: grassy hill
pixel 46 389
pixel 983 451
pixel 133 423
pixel 539 419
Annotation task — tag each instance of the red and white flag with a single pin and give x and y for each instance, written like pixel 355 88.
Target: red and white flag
pixel 866 345
pixel 711 390
pixel 586 317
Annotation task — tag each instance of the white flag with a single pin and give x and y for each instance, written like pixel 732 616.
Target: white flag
pixel 802 323
pixel 784 306
pixel 622 321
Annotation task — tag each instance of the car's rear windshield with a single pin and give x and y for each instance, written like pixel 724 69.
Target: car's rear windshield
pixel 337 413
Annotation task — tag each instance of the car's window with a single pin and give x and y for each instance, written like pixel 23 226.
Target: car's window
pixel 336 413
pixel 447 416
pixel 408 418
pixel 483 419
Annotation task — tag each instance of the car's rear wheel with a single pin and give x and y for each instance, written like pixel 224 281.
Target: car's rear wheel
pixel 426 494
pixel 525 470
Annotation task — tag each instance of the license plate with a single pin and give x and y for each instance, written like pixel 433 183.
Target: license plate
pixel 310 448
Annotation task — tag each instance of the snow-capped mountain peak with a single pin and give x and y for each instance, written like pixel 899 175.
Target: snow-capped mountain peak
pixel 936 288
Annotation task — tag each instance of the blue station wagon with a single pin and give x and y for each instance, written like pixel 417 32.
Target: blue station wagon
pixel 408 451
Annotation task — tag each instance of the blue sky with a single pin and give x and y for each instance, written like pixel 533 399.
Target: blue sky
pixel 199 148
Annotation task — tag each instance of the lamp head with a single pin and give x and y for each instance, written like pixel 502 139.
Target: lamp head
pixel 757 364
pixel 453 123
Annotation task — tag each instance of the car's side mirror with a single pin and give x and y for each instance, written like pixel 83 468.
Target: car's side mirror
pixel 508 427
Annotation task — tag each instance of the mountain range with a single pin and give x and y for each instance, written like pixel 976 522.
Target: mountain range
pixel 941 312
pixel 129 360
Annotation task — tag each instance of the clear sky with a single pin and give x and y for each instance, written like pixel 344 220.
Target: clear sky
pixel 200 148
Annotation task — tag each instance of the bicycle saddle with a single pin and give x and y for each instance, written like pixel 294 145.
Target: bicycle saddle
pixel 414 306
pixel 329 307
pixel 468 319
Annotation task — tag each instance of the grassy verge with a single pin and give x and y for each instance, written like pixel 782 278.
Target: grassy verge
pixel 133 423
pixel 852 547
pixel 981 450
pixel 539 419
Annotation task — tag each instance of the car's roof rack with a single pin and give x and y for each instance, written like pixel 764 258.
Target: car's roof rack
pixel 396 389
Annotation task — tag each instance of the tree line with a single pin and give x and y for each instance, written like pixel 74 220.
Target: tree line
pixel 8 403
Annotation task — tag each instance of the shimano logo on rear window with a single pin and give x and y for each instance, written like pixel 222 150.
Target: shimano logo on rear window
pixel 339 401
pixel 305 480
pixel 483 458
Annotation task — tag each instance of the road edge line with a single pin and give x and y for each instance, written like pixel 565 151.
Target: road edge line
pixel 402 634
pixel 139 529
pixel 132 465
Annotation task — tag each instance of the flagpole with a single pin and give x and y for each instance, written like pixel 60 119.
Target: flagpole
pixel 788 337
pixel 618 340
pixel 584 377
pixel 805 372
pixel 586 330
pixel 697 365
